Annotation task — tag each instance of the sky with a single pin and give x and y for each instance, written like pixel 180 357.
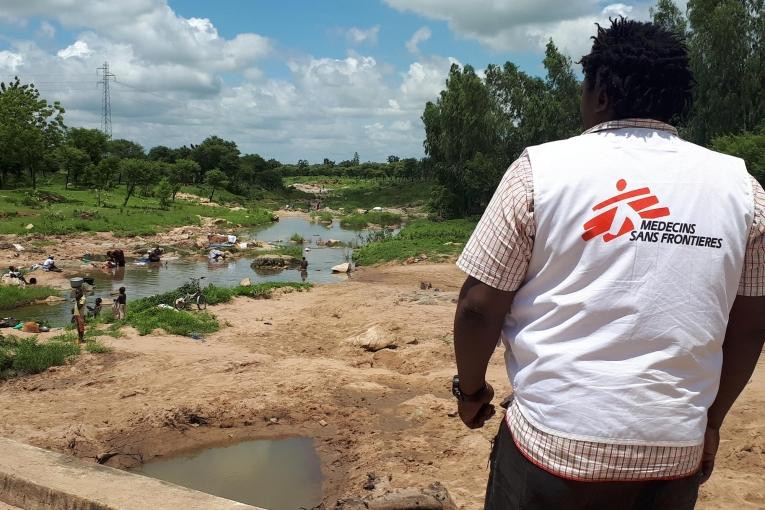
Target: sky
pixel 293 79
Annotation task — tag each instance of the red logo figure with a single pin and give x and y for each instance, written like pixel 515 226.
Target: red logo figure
pixel 625 215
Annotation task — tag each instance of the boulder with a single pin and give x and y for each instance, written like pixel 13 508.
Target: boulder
pixel 246 282
pixel 275 261
pixel 333 242
pixel 342 268
pixel 373 339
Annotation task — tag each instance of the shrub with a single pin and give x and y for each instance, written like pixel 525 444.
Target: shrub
pixel 12 296
pixel 32 357
pixel 360 221
pixel 96 347
pixel 297 238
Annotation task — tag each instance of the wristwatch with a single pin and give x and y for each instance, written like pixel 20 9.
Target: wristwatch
pixel 460 395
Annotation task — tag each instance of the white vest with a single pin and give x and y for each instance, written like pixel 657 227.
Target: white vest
pixel 617 338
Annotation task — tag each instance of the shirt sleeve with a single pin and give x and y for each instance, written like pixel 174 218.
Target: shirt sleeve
pixel 753 274
pixel 499 251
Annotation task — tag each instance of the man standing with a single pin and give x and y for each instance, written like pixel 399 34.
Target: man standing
pixel 624 270
pixel 78 313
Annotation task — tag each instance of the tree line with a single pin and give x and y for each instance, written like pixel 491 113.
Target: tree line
pixel 478 126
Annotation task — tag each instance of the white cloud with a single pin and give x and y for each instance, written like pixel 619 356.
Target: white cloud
pixel 46 30
pixel 420 36
pixel 79 49
pixel 179 80
pixel 522 25
pixel 357 36
pixel 10 61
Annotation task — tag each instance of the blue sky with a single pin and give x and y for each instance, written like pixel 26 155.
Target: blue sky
pixel 295 79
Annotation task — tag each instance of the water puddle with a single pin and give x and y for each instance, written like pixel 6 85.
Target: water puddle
pixel 152 279
pixel 281 474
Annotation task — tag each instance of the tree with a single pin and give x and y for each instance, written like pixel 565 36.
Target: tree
pixel 162 153
pixel 269 179
pixel 92 141
pixel 164 192
pixel 215 179
pixel 355 159
pixel 103 175
pixel 30 130
pixel 136 172
pixel 393 159
pixel 124 149
pixel 668 15
pixel 74 162
pixel 216 153
pixel 328 162
pixel 725 40
pixel 182 172
pixel 750 146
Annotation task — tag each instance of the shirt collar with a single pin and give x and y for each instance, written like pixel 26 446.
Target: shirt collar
pixel 632 123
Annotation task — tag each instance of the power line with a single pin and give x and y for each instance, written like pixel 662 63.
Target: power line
pixel 106 105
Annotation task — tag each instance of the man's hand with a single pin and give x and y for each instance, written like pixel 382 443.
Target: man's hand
pixel 478 410
pixel 711 443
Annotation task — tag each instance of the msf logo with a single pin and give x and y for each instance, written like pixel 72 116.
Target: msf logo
pixel 623 213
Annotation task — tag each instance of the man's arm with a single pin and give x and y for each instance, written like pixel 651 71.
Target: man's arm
pixel 743 344
pixel 481 312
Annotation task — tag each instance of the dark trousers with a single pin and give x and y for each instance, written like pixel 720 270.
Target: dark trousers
pixel 515 483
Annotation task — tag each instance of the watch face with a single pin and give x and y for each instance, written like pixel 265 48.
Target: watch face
pixel 456 387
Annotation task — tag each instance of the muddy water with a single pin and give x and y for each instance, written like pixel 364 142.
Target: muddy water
pixel 148 280
pixel 283 474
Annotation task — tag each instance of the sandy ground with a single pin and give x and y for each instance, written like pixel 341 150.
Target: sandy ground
pixel 283 367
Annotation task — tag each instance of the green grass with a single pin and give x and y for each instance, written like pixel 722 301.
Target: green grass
pixel 144 315
pixel 322 217
pixel 12 296
pixel 28 356
pixel 297 238
pixel 359 193
pixel 437 240
pixel 361 221
pixel 96 347
pixel 61 211
pixel 290 250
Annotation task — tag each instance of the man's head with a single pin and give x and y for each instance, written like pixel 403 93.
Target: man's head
pixel 635 70
pixel 122 290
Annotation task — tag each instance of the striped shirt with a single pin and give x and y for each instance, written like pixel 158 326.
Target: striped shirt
pixel 498 254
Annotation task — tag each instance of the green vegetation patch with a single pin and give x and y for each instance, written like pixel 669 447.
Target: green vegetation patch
pixel 144 315
pixel 77 212
pixel 361 221
pixel 12 296
pixel 29 356
pixel 437 240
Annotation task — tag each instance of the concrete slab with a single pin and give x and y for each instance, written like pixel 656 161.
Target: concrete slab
pixel 36 479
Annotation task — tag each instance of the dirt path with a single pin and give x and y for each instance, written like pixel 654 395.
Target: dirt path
pixel 283 367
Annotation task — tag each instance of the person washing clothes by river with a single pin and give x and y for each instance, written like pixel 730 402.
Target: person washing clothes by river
pixel 628 336
pixel 50 264
pixel 78 313
pixel 16 273
pixel 119 305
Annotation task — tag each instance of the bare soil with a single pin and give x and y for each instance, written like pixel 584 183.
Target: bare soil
pixel 284 367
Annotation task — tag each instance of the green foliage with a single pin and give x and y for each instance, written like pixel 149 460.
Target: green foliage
pixel 215 179
pixel 144 315
pixel 361 221
pixel 175 322
pixel 297 238
pixel 748 146
pixel 12 296
pixel 436 240
pixel 28 356
pixel 92 142
pixel 182 172
pixel 30 130
pixel 137 172
pixel 96 347
pixel 57 211
pixel 478 127
pixel 164 193
pixel 125 149
pixel 726 39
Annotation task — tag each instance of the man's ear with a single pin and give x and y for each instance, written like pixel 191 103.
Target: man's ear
pixel 603 104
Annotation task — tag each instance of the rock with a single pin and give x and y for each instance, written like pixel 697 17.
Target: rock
pixel 435 497
pixel 201 242
pixel 29 227
pixel 18 247
pixel 425 285
pixel 245 282
pixel 374 339
pixel 342 268
pixel 275 261
pixel 333 242
pixel 219 221
pixel 323 423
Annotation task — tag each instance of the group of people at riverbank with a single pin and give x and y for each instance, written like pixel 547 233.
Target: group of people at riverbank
pixel 81 311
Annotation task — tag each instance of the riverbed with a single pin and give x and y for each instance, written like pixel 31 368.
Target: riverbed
pixel 150 279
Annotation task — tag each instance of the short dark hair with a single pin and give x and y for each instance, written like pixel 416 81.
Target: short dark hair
pixel 643 67
pixel 122 290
